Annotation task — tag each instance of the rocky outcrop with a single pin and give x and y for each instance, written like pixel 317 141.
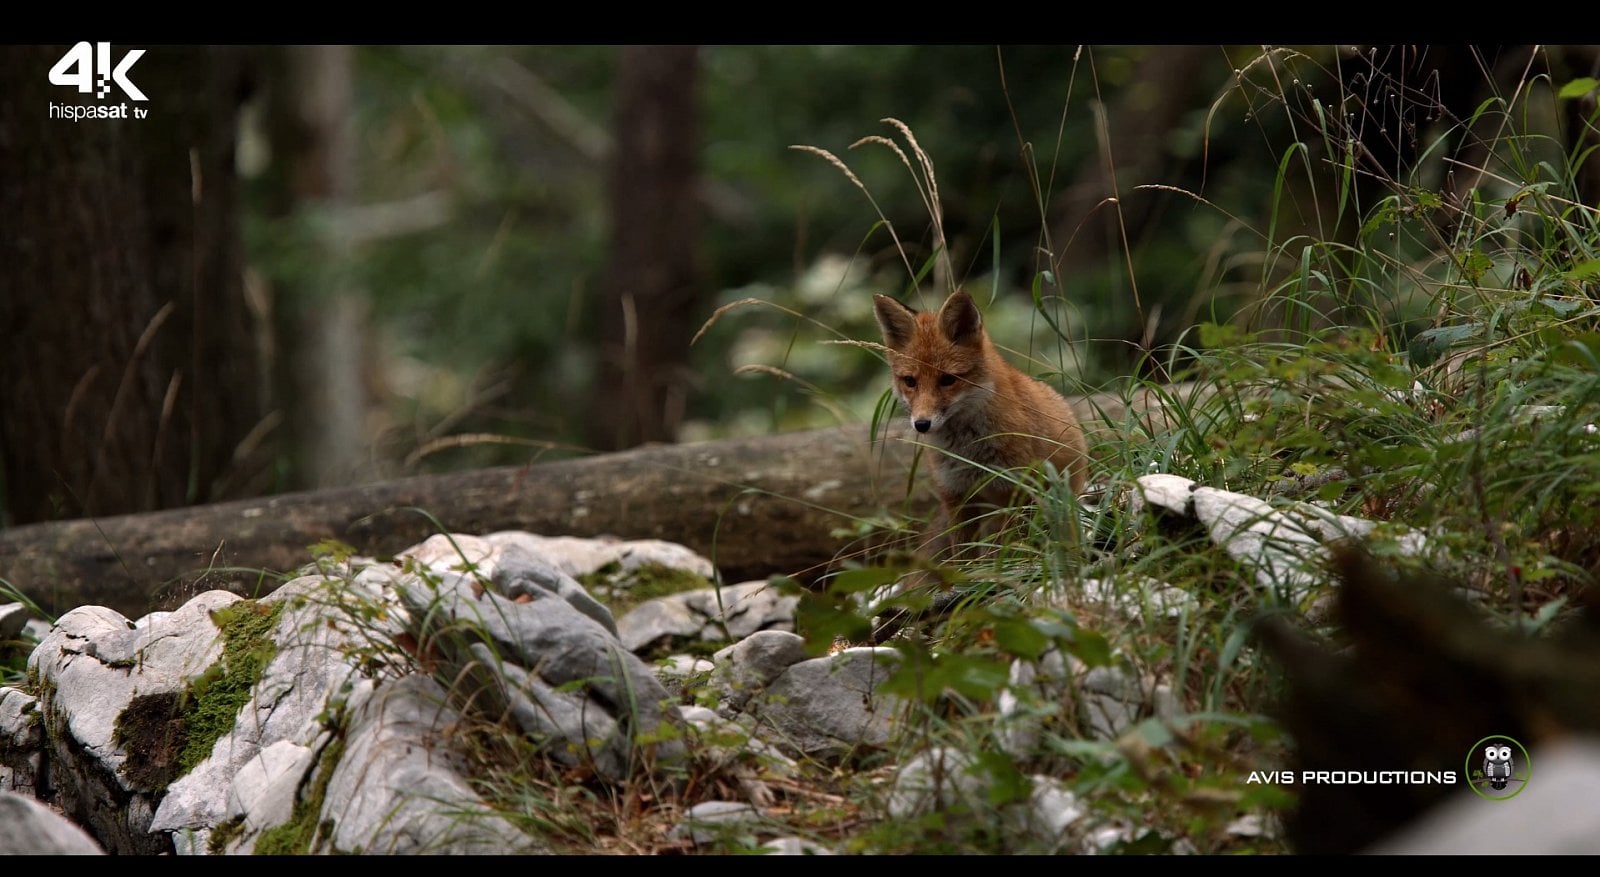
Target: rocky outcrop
pixel 326 716
pixel 28 828
pixel 1282 546
pixel 708 615
pixel 831 706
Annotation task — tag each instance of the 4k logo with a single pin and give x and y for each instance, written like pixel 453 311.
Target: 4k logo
pixel 79 65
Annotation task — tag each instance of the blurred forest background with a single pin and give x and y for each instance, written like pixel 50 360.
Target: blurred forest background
pixel 319 266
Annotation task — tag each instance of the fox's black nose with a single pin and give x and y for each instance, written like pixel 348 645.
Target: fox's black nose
pixel 922 425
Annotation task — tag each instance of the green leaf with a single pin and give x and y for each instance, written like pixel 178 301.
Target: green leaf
pixel 1584 269
pixel 1476 264
pixel 1021 638
pixel 826 616
pixel 864 579
pixel 1090 648
pixel 1578 87
pixel 1218 337
pixel 1007 783
pixel 1384 215
pixel 1582 351
pixel 1427 347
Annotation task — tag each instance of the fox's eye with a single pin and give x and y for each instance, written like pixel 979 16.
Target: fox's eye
pixel 946 380
pixel 910 382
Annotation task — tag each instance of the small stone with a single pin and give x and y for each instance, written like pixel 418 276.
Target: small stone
pixel 747 666
pixel 709 820
pixel 13 618
pixel 796 846
pixel 29 828
pixel 1168 493
pixel 935 780
pixel 831 706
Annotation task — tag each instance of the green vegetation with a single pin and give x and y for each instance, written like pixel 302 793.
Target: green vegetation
pixel 624 589
pixel 304 833
pixel 1391 303
pixel 212 701
pixel 14 652
pixel 1414 342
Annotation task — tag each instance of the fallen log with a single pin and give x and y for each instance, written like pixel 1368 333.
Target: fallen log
pixel 792 503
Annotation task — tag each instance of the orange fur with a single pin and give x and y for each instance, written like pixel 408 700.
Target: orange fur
pixel 966 400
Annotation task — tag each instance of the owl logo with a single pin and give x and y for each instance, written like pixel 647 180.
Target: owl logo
pixel 1497 765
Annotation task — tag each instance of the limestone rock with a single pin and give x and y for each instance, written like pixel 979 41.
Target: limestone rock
pixel 748 665
pixel 830 706
pixel 730 613
pixel 29 828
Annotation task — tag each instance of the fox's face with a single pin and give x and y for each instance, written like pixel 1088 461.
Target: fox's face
pixel 938 361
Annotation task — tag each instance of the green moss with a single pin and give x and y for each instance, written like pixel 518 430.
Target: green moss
pixel 224 834
pixel 213 700
pixel 624 589
pixel 303 833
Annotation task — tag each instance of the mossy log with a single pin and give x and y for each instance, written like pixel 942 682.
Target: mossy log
pixel 787 503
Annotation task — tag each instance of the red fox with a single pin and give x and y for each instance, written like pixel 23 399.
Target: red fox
pixel 981 412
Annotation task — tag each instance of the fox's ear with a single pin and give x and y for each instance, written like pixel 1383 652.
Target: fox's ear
pixel 959 319
pixel 897 322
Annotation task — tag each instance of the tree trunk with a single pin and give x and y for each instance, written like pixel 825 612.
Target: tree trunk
pixel 322 320
pixel 126 359
pixel 794 503
pixel 652 286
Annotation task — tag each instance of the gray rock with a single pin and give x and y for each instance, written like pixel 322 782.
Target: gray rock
pixel 264 791
pixel 37 629
pixel 564 723
pixel 830 706
pixel 944 778
pixel 720 742
pixel 452 552
pixel 1052 807
pixel 315 636
pixel 659 619
pixel 550 640
pixel 709 820
pixel 1115 698
pixel 580 557
pixel 1285 558
pixel 748 665
pixel 937 779
pixel 13 618
pixel 729 613
pixel 795 846
pixel 97 667
pixel 1030 686
pixel 683 675
pixel 1283 546
pixel 683 667
pixel 743 609
pixel 29 828
pixel 517 572
pixel 1554 813
pixel 21 741
pixel 1112 698
pixel 1331 528
pixel 1168 493
pixel 398 789
pixel 1248 825
pixel 21 725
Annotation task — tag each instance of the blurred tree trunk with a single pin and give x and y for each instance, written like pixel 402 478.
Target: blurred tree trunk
pixel 1163 88
pixel 127 365
pixel 320 316
pixel 652 286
